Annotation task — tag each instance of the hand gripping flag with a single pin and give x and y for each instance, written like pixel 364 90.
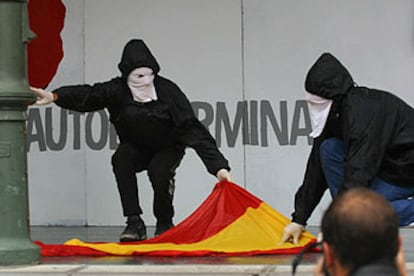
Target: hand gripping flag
pixel 230 222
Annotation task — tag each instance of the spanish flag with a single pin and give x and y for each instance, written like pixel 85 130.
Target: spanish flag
pixel 230 222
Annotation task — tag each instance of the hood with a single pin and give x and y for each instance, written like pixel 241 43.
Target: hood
pixel 135 55
pixel 328 78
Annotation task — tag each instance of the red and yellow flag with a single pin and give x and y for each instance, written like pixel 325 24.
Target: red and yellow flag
pixel 230 222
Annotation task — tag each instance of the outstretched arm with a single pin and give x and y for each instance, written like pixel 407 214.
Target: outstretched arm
pixel 83 98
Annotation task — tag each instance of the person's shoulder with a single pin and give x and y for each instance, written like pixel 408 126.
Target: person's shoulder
pixel 164 82
pixel 115 81
pixel 364 91
pixel 169 91
pixel 378 269
pixel 105 84
pixel 112 88
pixel 113 85
pixel 373 96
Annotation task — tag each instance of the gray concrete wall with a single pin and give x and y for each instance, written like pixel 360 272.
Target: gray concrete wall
pixel 237 60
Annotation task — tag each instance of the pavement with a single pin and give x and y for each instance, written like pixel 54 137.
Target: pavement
pixel 258 265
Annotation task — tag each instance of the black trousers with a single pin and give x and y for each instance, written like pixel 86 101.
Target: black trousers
pixel 161 165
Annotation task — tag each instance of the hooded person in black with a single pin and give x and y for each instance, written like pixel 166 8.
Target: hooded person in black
pixel 363 137
pixel 155 122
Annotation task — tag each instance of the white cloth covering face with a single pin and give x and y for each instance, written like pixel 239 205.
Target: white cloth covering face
pixel 141 83
pixel 319 110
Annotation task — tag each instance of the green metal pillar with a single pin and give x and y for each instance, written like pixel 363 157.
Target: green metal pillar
pixel 15 245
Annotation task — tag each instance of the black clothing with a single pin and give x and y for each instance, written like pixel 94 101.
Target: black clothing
pixel 135 55
pixel 134 231
pixel 160 165
pixel 376 269
pixel 115 95
pixel 376 127
pixel 155 124
pixel 153 135
pixel 162 227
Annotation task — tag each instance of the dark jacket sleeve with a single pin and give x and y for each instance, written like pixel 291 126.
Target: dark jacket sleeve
pixel 191 132
pixel 370 124
pixel 313 186
pixel 87 98
pixel 314 183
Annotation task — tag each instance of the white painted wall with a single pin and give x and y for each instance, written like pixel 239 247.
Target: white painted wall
pixel 374 39
pixel 216 51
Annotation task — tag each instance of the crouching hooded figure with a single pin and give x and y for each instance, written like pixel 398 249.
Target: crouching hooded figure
pixel 155 122
pixel 363 137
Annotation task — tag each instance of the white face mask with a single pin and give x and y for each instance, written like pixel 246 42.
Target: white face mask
pixel 141 83
pixel 319 110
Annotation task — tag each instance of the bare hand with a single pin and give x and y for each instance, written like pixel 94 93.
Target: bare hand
pixel 223 175
pixel 43 97
pixel 292 233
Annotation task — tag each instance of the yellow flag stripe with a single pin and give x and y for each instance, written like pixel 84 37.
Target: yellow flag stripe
pixel 256 230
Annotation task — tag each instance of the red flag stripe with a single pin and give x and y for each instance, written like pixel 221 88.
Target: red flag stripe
pixel 223 206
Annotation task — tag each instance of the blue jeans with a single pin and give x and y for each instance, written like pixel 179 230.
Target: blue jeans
pixel 332 153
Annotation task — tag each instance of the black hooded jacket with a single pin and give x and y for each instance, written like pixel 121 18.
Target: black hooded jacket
pixel 376 127
pixel 171 122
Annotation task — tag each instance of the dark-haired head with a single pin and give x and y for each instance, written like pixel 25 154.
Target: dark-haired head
pixel 362 228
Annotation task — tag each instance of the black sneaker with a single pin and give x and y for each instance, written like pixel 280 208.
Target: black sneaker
pixel 134 231
pixel 162 227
